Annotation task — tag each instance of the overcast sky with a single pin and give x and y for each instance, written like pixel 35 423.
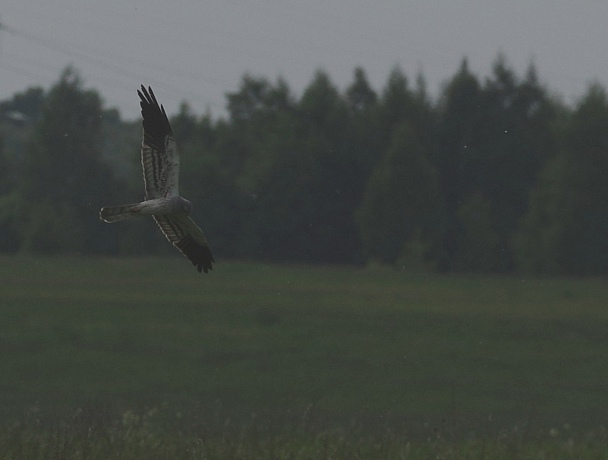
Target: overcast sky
pixel 197 50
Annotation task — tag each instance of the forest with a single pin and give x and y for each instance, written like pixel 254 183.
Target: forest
pixel 495 174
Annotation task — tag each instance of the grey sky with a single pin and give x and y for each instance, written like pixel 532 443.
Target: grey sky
pixel 197 50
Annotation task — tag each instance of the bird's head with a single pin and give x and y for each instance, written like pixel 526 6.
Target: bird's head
pixel 186 206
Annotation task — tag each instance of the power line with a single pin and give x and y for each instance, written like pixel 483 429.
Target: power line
pixel 106 65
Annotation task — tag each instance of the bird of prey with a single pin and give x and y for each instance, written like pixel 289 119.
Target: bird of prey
pixel 160 164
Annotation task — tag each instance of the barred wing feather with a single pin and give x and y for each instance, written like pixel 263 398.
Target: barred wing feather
pixel 159 156
pixel 186 236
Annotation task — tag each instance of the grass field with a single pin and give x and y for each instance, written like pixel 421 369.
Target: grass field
pixel 263 361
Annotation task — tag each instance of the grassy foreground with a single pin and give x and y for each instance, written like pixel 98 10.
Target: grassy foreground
pixel 139 358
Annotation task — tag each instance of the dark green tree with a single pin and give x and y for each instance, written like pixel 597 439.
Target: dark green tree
pixel 360 96
pixel 518 140
pixel 258 112
pixel 339 161
pixel 17 118
pixel 25 106
pixel 460 118
pixel 297 189
pixel 64 180
pixel 363 139
pixel 304 176
pixel 566 226
pixel 493 141
pixel 9 238
pixel 401 202
pixel 478 244
pixel 6 179
pixel 399 103
pixel 260 129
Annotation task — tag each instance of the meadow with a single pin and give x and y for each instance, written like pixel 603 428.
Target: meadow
pixel 145 358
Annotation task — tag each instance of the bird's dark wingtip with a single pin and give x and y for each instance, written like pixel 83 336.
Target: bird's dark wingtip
pixel 198 254
pixel 202 267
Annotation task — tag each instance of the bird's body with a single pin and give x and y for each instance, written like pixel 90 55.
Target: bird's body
pixel 154 206
pixel 160 164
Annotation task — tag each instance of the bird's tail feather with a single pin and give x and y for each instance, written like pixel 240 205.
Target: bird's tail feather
pixel 116 213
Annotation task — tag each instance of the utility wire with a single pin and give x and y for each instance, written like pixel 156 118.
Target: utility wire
pixel 106 65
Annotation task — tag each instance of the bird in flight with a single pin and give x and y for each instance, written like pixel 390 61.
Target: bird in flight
pixel 160 164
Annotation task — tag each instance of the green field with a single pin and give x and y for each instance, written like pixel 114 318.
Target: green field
pixel 288 358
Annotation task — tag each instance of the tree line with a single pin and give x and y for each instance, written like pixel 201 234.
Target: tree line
pixel 493 175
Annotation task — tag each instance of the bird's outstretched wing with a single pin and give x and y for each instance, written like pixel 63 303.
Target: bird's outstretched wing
pixel 188 238
pixel 159 157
